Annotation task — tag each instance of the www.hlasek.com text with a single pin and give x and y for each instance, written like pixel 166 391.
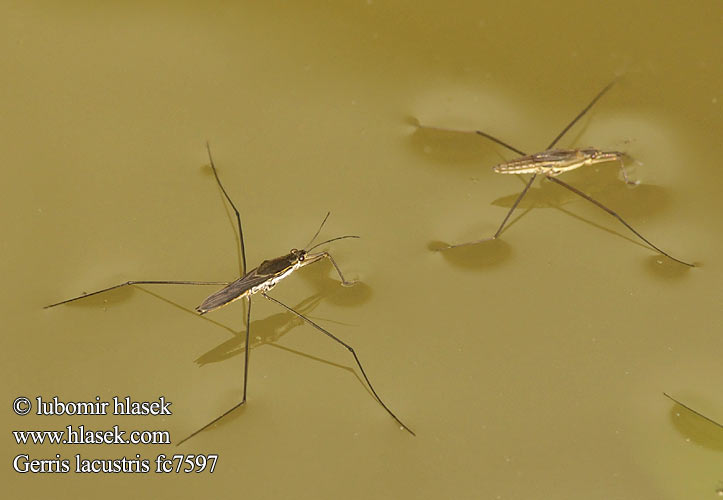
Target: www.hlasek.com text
pixel 81 435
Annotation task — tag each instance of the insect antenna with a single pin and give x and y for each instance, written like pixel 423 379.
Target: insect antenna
pixel 308 246
pixel 319 230
pixel 333 239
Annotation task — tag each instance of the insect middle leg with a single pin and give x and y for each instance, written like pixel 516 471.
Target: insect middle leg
pixel 136 282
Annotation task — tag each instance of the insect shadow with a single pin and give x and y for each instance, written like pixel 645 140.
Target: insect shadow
pixel 260 280
pixel 551 163
pixel 456 148
pixel 270 330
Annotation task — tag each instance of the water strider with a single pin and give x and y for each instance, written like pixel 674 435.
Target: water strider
pixel 261 280
pixel 553 162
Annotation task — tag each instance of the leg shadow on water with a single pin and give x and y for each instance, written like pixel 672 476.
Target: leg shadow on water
pixel 695 426
pixel 478 256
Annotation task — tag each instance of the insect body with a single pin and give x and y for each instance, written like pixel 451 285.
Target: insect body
pixel 260 280
pixel 264 278
pixel 553 162
pixel 556 161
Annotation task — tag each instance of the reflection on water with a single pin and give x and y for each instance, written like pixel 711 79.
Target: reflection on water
pixel 115 296
pixel 261 331
pixel 604 185
pixel 696 428
pixel 272 328
pixel 265 332
pixel 659 266
pixel 636 202
pixel 630 202
pixel 456 148
pixel 269 330
pixel 320 279
pixel 479 256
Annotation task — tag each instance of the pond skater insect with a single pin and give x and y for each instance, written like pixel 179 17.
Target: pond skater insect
pixel 260 280
pixel 553 162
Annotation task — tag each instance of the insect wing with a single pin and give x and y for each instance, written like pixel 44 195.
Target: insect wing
pixel 232 291
pixel 555 156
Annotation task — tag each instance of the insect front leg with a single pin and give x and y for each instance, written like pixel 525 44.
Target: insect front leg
pixel 344 281
pixel 136 282
pixel 625 174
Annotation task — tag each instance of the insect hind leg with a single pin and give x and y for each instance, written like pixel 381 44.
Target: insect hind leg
pixel 350 349
pixel 615 214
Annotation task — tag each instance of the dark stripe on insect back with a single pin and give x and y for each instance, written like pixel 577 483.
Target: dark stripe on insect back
pixel 277 265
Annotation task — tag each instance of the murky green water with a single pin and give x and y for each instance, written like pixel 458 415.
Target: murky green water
pixel 532 367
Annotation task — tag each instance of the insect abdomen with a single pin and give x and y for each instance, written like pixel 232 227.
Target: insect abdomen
pixel 524 165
